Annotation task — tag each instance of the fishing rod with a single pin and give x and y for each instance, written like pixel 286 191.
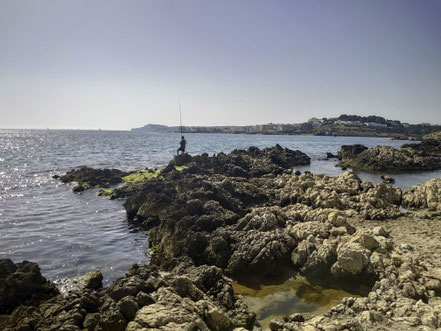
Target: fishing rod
pixel 180 115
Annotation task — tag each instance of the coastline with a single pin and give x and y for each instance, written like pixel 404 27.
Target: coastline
pixel 324 234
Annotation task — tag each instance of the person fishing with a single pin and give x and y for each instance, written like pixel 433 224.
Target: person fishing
pixel 183 142
pixel 181 146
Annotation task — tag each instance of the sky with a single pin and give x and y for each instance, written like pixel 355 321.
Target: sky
pixel 122 64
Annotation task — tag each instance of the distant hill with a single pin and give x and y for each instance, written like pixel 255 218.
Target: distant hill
pixel 344 125
pixel 155 128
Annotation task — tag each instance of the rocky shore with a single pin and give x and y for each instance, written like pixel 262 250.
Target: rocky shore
pixel 250 214
pixel 409 157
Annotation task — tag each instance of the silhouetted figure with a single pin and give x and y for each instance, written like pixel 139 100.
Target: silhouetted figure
pixel 181 146
pixel 387 179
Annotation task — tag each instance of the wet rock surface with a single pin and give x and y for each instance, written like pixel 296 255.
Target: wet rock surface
pixel 249 163
pixel 430 145
pixel 409 157
pixel 22 283
pixel 246 214
pixel 386 158
pixel 200 299
pixel 87 178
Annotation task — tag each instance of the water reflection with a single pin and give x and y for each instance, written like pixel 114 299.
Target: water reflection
pixel 274 299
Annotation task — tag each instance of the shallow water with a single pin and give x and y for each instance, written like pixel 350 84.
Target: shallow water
pixel 274 299
pixel 68 234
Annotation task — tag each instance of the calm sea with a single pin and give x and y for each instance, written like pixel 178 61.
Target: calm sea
pixel 68 234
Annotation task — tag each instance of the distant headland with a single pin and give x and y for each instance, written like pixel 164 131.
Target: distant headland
pixel 344 125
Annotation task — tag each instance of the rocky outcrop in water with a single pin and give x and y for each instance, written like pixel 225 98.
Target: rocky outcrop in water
pixel 386 159
pixel 249 163
pixel 244 226
pixel 87 178
pixel 248 214
pixel 430 145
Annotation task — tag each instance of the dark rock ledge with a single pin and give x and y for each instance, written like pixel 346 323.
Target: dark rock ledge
pixel 249 213
pixel 423 156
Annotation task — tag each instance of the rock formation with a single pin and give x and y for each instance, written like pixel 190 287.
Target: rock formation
pixel 87 178
pixel 246 214
pixel 22 283
pixel 410 157
pixel 427 195
pixel 430 145
pixel 386 159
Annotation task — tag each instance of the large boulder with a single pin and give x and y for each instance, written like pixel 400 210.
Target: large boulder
pixel 242 163
pixel 92 280
pixel 350 151
pixel 87 178
pixel 22 284
pixel 352 259
pixel 386 158
pixel 427 195
pixel 430 145
pixel 256 252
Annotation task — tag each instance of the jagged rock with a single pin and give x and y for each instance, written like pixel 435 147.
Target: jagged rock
pixel 319 262
pixel 259 252
pixel 128 307
pixel 22 284
pixel 352 258
pixel 246 214
pixel 427 195
pixel 349 151
pixel 331 156
pixel 430 145
pixel 386 158
pixel 93 280
pixel 170 313
pixel 91 321
pixel 90 178
pixel 365 239
pixel 240 163
pixel 276 325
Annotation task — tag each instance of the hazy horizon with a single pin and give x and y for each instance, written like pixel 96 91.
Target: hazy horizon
pixel 177 125
pixel 120 65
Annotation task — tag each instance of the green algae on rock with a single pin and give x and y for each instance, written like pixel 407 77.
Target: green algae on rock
pixel 88 178
pixel 107 193
pixel 180 168
pixel 141 176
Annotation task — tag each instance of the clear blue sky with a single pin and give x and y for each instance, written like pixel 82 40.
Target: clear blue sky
pixel 122 64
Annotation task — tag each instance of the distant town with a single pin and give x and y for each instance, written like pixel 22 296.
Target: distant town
pixel 344 125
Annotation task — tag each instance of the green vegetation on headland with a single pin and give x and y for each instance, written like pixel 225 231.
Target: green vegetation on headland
pixel 344 125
